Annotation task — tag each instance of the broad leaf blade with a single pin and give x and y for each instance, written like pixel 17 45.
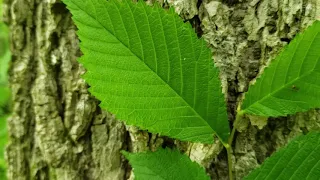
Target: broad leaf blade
pixel 164 164
pixel 292 81
pixel 299 160
pixel 149 68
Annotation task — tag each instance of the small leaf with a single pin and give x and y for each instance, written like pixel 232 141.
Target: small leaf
pixel 292 81
pixel 149 68
pixel 165 164
pixel 299 160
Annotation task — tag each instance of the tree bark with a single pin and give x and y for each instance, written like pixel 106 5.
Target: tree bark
pixel 58 131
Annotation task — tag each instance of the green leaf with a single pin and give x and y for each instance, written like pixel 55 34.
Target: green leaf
pixel 3 173
pixel 164 164
pixel 3 137
pixel 4 99
pixel 291 83
pixel 4 96
pixel 5 55
pixel 299 160
pixel 3 142
pixel 149 68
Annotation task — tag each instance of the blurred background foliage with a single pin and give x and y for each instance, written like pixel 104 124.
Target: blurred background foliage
pixel 4 91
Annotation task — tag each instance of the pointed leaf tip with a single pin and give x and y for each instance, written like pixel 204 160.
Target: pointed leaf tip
pixel 291 82
pixel 149 69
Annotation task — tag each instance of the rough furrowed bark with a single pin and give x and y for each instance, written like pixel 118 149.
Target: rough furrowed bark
pixel 245 36
pixel 57 130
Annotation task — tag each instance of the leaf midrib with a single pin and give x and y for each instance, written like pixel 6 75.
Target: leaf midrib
pixel 142 60
pixel 290 82
pixel 274 92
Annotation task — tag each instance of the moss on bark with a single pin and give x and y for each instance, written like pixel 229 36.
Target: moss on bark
pixel 57 130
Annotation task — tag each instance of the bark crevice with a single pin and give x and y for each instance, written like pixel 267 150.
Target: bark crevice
pixel 58 131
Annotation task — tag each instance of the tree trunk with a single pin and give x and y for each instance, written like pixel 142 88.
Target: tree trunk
pixel 58 131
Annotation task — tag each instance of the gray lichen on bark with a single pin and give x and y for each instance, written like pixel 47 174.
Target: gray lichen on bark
pixel 244 38
pixel 58 131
